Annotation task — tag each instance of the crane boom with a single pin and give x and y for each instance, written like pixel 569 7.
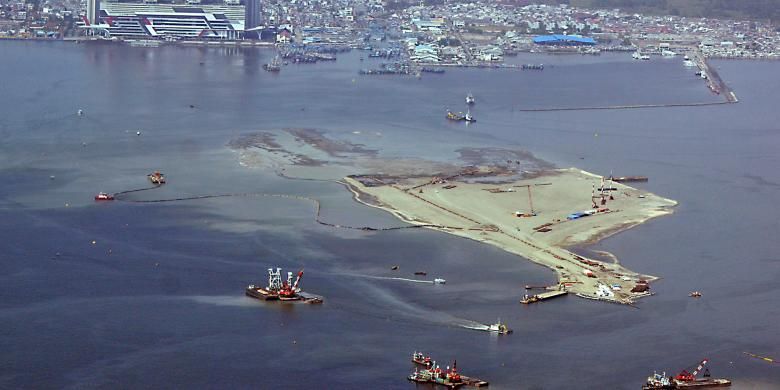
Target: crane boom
pixel 298 279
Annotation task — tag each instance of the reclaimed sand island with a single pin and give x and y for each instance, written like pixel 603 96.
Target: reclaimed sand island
pixel 500 215
pixel 502 197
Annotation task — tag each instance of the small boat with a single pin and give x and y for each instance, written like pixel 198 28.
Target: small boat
pixel 694 294
pixel 104 196
pixel 439 281
pixel 394 268
pixel 470 99
pixel 468 118
pixel 273 66
pixel 453 116
pixel 421 273
pixel 499 328
pixel 156 178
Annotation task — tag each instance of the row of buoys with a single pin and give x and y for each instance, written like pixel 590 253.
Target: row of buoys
pixel 764 358
pixel 81 113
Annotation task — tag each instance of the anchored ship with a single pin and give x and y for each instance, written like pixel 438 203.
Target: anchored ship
pixel 685 380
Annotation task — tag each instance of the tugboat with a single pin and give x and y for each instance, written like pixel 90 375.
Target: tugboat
pixel 685 380
pixel 421 359
pixel 499 328
pixel 277 289
pixel 104 196
pixel 423 376
pixel 658 381
pixel 468 118
pixel 156 178
pixel 470 99
pixel 529 299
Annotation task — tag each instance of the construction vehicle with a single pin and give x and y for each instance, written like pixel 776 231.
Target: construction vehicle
pixel 532 213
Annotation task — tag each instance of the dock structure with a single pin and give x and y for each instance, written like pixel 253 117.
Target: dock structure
pixel 527 299
pixel 473 382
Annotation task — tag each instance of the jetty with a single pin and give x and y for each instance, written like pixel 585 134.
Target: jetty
pixel 528 299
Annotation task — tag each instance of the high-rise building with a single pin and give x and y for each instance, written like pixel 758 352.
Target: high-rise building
pixel 93 11
pixel 252 14
pixel 253 18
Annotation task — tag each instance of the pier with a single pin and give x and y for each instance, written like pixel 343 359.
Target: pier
pixel 624 107
pixel 527 299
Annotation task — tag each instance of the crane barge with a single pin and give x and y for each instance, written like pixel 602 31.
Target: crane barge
pixel 433 374
pixel 279 290
pixel 685 380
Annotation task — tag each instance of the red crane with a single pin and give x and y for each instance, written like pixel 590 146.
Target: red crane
pixel 685 376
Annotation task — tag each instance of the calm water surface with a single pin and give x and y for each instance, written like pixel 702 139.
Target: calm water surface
pixel 157 301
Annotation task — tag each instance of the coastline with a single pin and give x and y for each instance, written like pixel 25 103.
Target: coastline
pixel 585 277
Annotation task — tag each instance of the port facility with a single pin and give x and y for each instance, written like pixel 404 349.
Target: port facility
pixel 567 40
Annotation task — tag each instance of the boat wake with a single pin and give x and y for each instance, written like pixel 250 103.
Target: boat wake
pixel 221 300
pixel 476 326
pixel 391 278
pixel 405 311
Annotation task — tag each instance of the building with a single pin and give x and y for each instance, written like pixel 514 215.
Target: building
pixel 253 14
pixel 135 20
pixel 564 40
pixel 93 11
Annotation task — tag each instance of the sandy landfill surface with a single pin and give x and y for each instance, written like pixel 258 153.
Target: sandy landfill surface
pixel 497 196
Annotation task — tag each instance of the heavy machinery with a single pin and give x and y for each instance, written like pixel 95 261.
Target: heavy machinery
pixel 685 380
pixel 277 289
pixel 531 212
